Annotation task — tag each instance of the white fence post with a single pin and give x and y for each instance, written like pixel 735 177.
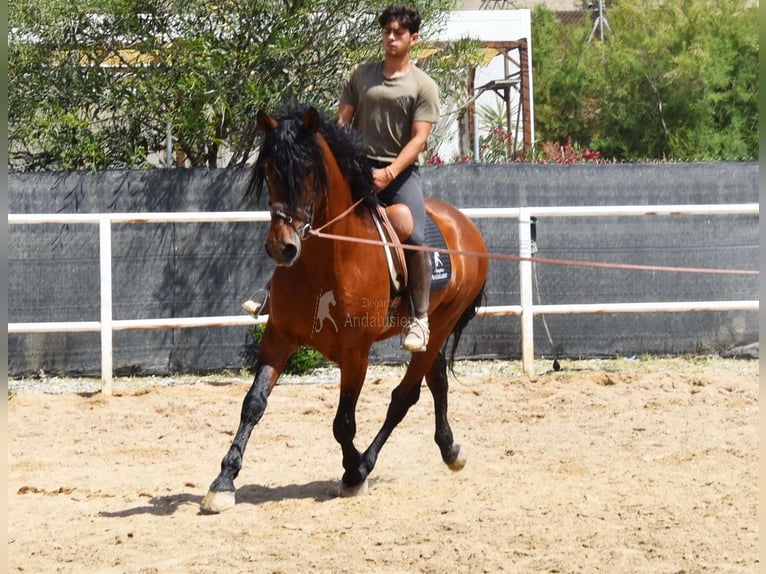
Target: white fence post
pixel 525 290
pixel 105 266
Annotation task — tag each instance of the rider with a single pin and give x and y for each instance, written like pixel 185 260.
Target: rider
pixel 393 105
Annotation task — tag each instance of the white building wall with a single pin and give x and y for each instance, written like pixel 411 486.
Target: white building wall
pixel 488 26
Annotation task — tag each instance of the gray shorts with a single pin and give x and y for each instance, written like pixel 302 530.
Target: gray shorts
pixel 407 188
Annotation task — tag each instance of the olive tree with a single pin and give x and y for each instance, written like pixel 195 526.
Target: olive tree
pixel 101 84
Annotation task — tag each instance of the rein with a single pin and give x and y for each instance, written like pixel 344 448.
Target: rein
pixel 318 231
pixel 508 257
pixel 306 230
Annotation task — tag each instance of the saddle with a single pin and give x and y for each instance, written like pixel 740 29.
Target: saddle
pixel 394 224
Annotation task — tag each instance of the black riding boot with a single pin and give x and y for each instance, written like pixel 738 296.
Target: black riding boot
pixel 419 271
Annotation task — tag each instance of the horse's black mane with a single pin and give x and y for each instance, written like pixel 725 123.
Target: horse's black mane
pixel 293 152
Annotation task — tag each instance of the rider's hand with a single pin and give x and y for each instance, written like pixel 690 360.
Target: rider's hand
pixel 381 178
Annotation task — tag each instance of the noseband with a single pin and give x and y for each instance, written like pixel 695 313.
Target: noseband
pixel 281 211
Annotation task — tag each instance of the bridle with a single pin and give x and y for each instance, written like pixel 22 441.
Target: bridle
pixel 281 211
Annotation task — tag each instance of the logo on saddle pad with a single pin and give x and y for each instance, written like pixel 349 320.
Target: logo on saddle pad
pixel 439 271
pixel 441 266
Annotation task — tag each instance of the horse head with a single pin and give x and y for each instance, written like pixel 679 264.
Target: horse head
pixel 291 166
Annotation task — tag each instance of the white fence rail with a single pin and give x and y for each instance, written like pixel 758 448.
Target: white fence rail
pixel 526 309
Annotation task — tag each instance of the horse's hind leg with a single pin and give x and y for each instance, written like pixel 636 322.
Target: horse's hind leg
pixel 404 396
pixel 437 381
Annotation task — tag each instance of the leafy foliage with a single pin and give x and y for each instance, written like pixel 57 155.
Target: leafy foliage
pixel 496 144
pixel 674 79
pixel 303 361
pixel 550 152
pixel 98 84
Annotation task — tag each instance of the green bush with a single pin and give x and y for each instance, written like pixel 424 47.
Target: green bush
pixel 672 80
pixel 302 361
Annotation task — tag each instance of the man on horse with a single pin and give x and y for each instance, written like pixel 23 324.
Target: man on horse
pixel 307 161
pixel 393 105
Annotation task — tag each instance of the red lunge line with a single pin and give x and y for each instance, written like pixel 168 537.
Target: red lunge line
pixel 569 262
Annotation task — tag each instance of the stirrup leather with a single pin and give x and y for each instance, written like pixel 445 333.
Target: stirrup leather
pixel 397 267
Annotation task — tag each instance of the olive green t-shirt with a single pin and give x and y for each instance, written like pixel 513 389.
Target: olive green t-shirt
pixel 384 109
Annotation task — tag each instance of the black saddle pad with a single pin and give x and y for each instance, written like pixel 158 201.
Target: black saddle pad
pixel 441 266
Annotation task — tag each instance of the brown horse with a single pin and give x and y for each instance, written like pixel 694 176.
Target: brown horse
pixel 336 296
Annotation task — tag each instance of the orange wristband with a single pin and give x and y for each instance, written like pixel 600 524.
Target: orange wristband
pixel 390 172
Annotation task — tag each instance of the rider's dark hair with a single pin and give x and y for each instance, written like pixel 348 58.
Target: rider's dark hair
pixel 408 18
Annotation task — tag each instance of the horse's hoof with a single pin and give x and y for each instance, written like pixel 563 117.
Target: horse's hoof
pixel 358 490
pixel 459 462
pixel 217 501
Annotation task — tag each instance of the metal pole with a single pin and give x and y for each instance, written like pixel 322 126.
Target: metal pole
pixel 509 151
pixel 525 288
pixel 169 147
pixel 105 240
pixel 601 19
pixel 476 155
pixel 526 98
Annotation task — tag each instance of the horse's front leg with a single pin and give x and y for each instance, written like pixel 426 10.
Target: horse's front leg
pixel 352 373
pixel 271 361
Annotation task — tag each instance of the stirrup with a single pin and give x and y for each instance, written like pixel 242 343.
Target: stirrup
pixel 255 308
pixel 416 335
pixel 252 308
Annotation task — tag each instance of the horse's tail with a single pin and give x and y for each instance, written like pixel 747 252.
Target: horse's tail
pixel 465 318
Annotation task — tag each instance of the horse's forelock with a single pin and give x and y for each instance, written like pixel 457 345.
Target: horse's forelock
pixel 291 152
